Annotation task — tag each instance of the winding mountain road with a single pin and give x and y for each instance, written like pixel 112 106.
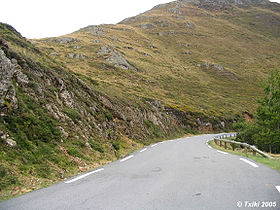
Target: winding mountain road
pixel 184 174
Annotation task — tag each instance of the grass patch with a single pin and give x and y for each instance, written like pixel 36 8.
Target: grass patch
pixel 272 163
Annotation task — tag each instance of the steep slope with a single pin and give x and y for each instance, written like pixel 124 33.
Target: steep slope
pixel 53 124
pixel 200 56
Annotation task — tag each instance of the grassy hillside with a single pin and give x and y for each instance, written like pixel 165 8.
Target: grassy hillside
pixel 200 60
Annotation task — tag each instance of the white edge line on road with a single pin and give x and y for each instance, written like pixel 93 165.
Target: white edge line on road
pixel 126 158
pixel 225 153
pixel 278 188
pixel 143 150
pixel 154 145
pixel 210 147
pixel 83 176
pixel 161 142
pixel 249 162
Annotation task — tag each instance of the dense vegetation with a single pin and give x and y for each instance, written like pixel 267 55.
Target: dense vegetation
pixel 264 132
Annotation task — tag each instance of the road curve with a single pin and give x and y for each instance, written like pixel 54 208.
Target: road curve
pixel 184 174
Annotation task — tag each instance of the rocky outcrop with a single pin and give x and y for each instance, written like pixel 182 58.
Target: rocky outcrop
pixel 7 140
pixel 116 58
pixel 10 71
pixel 76 56
pixel 220 70
pixel 95 30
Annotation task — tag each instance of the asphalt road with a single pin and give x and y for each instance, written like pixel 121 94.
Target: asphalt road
pixel 181 174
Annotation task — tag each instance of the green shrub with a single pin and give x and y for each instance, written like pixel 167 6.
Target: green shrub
pixel 96 146
pixel 116 145
pixel 153 129
pixel 73 151
pixel 72 114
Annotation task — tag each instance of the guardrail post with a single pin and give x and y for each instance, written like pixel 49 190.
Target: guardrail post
pixel 233 147
pixel 225 145
pixel 246 151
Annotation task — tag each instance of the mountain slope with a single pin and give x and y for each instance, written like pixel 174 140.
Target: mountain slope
pixel 72 103
pixel 202 57
pixel 54 125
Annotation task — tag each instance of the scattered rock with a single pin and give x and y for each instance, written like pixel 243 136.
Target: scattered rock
pixel 96 30
pixel 147 26
pixel 104 50
pixel 76 56
pixel 160 33
pixel 77 47
pixel 190 25
pixel 96 41
pixel 130 48
pixel 220 69
pixel 10 142
pixel 66 40
pixel 54 54
pixel 153 47
pixel 179 17
pixel 188 53
pixel 63 132
pixel 115 39
pixel 172 32
pixel 147 54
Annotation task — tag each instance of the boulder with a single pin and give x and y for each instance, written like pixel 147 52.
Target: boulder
pixel 115 58
pixel 54 54
pixel 10 142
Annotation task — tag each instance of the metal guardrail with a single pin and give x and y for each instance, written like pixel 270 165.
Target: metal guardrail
pixel 224 142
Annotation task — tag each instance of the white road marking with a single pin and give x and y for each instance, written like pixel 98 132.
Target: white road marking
pixel 249 162
pixel 126 158
pixel 154 145
pixel 210 147
pixel 171 140
pixel 83 176
pixel 278 188
pixel 225 153
pixel 143 150
pixel 161 142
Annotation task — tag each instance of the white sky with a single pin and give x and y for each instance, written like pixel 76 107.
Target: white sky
pixel 48 18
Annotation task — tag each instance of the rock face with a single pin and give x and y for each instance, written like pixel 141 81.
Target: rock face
pixel 220 70
pixel 9 69
pixel 116 58
pixel 96 30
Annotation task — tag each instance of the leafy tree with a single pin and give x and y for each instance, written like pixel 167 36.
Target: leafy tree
pixel 268 115
pixel 265 131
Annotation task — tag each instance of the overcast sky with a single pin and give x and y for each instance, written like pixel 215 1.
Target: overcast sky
pixel 48 18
